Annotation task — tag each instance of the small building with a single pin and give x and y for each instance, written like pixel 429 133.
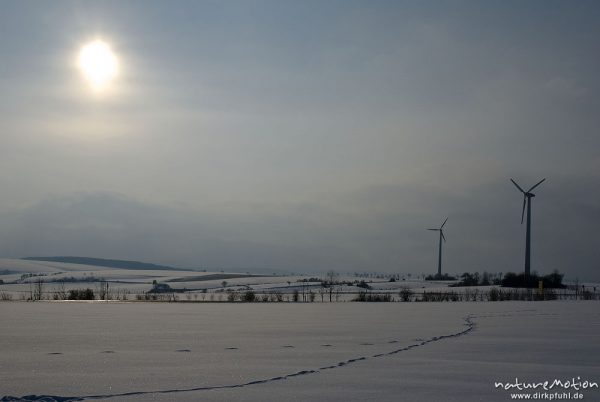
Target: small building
pixel 161 288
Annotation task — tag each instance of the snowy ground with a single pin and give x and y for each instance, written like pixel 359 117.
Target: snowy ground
pixel 288 351
pixel 19 276
pixel 18 279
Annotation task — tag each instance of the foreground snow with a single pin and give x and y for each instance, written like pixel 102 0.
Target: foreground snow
pixel 257 352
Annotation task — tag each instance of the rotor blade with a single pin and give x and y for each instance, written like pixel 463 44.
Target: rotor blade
pixel 444 223
pixel 540 182
pixel 523 213
pixel 442 233
pixel 436 230
pixel 519 187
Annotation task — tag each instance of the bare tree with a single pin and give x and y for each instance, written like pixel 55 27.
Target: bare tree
pixel 38 289
pixel 331 280
pixel 103 292
pixel 322 292
pixel 60 293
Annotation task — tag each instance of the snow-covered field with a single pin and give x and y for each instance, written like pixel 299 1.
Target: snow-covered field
pixel 19 276
pixel 299 352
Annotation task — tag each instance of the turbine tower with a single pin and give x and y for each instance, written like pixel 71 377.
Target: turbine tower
pixel 527 196
pixel 441 230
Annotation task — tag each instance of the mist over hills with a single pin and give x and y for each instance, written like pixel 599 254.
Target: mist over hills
pixel 102 262
pixel 311 238
pixel 146 266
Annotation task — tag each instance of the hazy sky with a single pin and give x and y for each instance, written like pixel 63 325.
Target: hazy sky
pixel 304 136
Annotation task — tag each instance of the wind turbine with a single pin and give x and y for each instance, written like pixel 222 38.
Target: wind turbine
pixel 441 230
pixel 527 196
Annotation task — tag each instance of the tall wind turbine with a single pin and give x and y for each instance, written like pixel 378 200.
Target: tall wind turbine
pixel 441 230
pixel 527 196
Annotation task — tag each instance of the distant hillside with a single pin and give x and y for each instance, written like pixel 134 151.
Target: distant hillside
pixel 101 262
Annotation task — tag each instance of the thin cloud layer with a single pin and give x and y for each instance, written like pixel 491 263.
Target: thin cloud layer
pixel 304 136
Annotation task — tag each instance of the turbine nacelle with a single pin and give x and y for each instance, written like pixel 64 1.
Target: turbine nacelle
pixel 527 195
pixel 441 230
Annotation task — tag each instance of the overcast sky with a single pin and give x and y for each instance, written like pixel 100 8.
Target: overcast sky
pixel 304 136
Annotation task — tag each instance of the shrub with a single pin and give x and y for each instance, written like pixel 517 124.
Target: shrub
pixel 439 296
pixel 81 294
pixel 362 297
pixel 431 297
pixel 474 279
pixel 442 277
pixel 551 281
pixel 468 279
pixel 249 296
pixel 373 297
pixel 554 280
pixel 587 295
pixel 405 294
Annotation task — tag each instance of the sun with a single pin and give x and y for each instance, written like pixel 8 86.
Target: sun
pixel 98 64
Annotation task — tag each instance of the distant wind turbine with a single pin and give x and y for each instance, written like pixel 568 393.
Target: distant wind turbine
pixel 527 196
pixel 441 230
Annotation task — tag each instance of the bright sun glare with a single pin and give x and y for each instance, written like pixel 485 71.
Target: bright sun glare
pixel 98 63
